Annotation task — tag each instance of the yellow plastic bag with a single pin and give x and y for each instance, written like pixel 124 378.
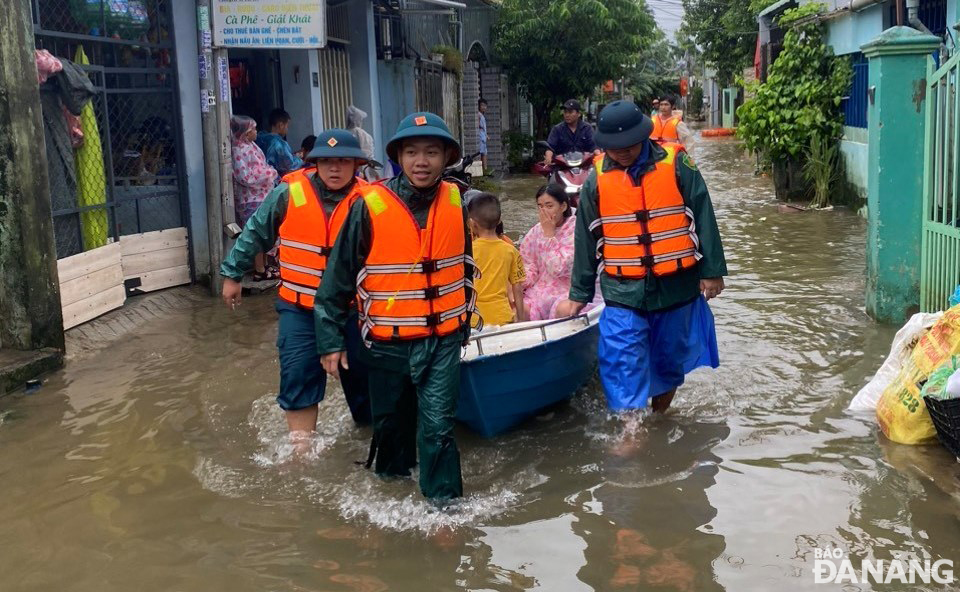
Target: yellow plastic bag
pixel 937 345
pixel 901 412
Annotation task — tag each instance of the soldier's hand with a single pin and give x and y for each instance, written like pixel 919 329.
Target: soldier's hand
pixel 711 287
pixel 569 308
pixel 232 292
pixel 332 362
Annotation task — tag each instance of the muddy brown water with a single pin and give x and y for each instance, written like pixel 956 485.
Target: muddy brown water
pixel 160 463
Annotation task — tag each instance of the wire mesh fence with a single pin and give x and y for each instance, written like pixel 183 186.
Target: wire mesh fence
pixel 115 165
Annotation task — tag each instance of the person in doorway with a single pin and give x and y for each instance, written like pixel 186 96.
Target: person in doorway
pixel 646 222
pixel 668 127
pixel 571 135
pixel 405 252
pixel 499 263
pixel 274 144
pixel 253 179
pixel 482 132
pixel 355 117
pixel 547 252
pixel 305 212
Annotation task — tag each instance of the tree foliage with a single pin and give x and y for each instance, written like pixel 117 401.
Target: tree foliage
pixel 656 71
pixel 727 32
pixel 801 98
pixel 558 49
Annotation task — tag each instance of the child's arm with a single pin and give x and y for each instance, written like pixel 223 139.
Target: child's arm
pixel 518 279
pixel 516 290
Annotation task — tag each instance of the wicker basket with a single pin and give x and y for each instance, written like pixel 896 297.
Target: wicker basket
pixel 946 418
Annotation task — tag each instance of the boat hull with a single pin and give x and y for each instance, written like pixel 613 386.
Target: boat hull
pixel 500 391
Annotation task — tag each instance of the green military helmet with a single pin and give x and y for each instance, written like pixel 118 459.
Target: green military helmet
pixel 622 124
pixel 336 143
pixel 420 125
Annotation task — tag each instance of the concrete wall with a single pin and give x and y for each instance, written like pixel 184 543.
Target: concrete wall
pixel 491 82
pixel 853 149
pixel 846 34
pixel 301 99
pixel 363 65
pixel 470 97
pixel 397 94
pixel 188 89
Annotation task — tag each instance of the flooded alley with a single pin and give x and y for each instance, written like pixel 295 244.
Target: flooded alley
pixel 161 463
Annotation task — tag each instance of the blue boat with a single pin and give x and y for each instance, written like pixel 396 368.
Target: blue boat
pixel 510 374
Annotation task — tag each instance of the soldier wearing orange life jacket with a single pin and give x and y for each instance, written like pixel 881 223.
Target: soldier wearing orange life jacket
pixel 405 255
pixel 646 222
pixel 305 212
pixel 670 128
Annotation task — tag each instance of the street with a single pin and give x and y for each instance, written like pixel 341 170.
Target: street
pixel 161 463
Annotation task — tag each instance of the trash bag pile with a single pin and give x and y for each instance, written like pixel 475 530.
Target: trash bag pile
pixel 923 363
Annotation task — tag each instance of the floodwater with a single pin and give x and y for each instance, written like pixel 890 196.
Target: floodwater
pixel 160 464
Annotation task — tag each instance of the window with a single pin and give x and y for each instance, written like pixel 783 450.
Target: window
pixel 855 103
pixel 932 13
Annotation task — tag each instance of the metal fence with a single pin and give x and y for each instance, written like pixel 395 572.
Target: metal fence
pixel 117 170
pixel 940 247
pixel 855 103
pixel 430 87
pixel 336 89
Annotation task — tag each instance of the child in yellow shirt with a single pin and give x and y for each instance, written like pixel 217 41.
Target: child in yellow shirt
pixel 500 265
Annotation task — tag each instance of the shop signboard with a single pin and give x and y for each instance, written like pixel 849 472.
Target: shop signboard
pixel 269 24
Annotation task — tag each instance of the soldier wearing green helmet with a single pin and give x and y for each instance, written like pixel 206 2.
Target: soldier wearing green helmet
pixel 303 213
pixel 414 361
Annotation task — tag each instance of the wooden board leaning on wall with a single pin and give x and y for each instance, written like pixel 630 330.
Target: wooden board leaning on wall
pixel 158 259
pixel 91 284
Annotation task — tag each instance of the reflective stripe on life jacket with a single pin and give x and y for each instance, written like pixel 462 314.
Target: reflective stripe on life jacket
pixel 414 282
pixel 307 236
pixel 665 131
pixel 645 227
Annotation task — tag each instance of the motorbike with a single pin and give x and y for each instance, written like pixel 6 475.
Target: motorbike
pixel 458 173
pixel 569 170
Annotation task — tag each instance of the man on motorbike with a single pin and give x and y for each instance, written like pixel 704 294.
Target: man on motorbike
pixel 573 135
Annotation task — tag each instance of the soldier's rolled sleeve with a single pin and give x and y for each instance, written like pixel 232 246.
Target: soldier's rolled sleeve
pixel 331 306
pixel 697 197
pixel 259 234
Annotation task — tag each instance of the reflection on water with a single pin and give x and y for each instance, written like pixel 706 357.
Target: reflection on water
pixel 162 463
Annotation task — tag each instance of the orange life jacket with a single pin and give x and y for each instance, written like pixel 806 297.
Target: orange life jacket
pixel 413 283
pixel 645 227
pixel 307 236
pixel 665 131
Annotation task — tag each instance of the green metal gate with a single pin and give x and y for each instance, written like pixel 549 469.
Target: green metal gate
pixel 940 247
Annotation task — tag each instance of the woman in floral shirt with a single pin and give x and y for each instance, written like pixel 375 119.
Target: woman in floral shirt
pixel 253 178
pixel 547 252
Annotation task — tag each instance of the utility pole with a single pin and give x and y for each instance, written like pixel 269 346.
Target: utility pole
pixel 30 314
pixel 225 169
pixel 211 145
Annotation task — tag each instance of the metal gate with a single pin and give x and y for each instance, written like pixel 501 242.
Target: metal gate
pixel 429 87
pixel 940 247
pixel 336 89
pixel 125 174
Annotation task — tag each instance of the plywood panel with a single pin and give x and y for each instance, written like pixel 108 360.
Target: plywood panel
pixel 92 307
pixel 90 285
pixel 158 259
pixel 71 268
pixel 141 263
pixel 164 278
pixel 153 241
